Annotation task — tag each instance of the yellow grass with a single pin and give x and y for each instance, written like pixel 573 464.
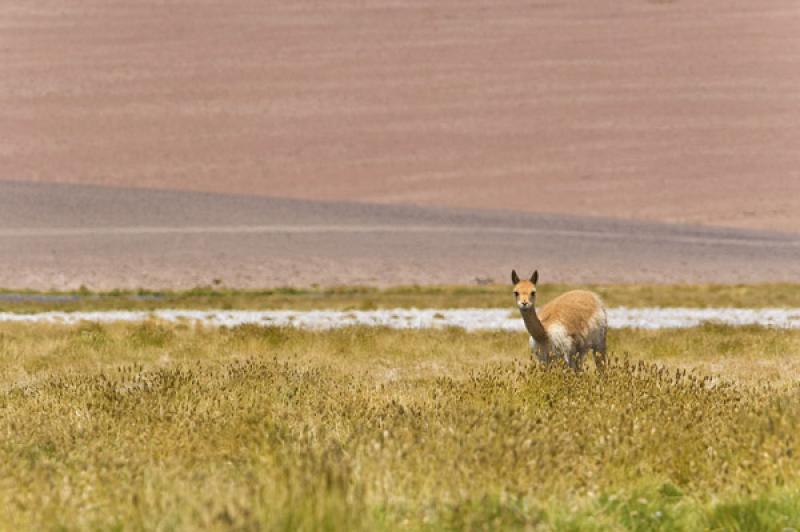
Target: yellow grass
pixel 365 298
pixel 162 427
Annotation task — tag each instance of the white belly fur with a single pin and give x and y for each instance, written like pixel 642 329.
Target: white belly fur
pixel 562 345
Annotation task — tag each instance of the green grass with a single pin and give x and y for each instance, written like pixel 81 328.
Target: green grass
pixel 169 427
pixel 366 298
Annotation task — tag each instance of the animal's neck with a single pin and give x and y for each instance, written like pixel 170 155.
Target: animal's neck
pixel 534 326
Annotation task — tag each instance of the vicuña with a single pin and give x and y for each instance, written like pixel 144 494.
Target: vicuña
pixel 567 328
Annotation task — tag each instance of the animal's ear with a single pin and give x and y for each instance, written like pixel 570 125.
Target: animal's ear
pixel 514 277
pixel 535 276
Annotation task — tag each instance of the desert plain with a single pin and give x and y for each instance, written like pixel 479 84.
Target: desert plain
pixel 174 143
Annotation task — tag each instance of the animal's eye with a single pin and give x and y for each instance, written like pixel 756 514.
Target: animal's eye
pixel 516 294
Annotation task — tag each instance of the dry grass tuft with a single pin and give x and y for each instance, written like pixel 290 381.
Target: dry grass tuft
pixel 368 298
pixel 157 426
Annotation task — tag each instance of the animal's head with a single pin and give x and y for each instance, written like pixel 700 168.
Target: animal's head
pixel 525 291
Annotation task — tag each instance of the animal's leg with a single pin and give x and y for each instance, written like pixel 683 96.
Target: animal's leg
pixel 599 353
pixel 542 357
pixel 599 358
pixel 581 358
pixel 573 360
pixel 538 352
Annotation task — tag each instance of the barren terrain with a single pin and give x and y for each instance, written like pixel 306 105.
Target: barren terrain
pixel 65 236
pixel 658 110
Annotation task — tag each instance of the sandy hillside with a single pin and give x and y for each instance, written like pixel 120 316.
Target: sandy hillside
pixel 658 110
pixel 65 236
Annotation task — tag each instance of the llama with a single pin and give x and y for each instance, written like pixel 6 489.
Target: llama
pixel 568 327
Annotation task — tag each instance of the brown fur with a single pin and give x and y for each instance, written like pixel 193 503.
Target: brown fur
pixel 525 291
pixel 572 309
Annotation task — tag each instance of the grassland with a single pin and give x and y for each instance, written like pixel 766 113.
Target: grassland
pixel 163 427
pixel 368 298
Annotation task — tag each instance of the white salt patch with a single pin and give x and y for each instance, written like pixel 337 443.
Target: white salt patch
pixel 469 319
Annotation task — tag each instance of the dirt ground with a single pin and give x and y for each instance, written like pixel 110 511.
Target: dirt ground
pixel 240 141
pixel 659 110
pixel 65 236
